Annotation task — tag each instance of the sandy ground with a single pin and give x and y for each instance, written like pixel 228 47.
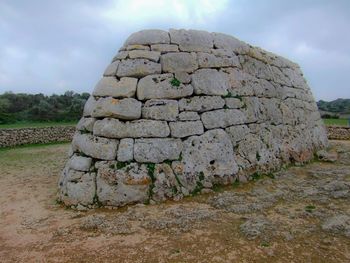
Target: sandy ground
pixel 300 215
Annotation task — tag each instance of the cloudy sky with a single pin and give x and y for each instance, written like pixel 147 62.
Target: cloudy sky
pixel 54 46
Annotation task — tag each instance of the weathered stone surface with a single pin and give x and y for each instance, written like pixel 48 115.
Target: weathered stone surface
pixel 191 40
pixel 233 103
pixel 206 60
pixel 164 48
pixel 160 110
pixel 125 150
pixel 157 150
pixel 182 129
pixel 188 116
pixel 86 124
pixel 90 105
pixel 137 47
pixel 183 77
pixel 237 133
pixel 137 68
pixel 120 55
pixel 181 61
pixel 165 184
pixel 210 82
pixel 223 41
pixel 96 147
pixel 126 109
pixel 208 155
pixel 160 87
pixel 111 70
pixel 113 128
pixel 80 163
pixel 147 37
pixel 150 55
pixel 222 118
pixel 111 87
pixel 119 187
pixel 201 103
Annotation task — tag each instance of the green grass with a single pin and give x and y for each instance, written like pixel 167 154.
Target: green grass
pixel 340 122
pixel 35 124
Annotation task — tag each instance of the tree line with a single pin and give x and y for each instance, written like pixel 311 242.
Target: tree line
pixel 24 107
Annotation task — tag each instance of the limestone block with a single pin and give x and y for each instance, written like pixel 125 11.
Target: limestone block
pixel 181 129
pixel 210 154
pixel 81 191
pixel 125 150
pixel 206 60
pixel 164 48
pixel 137 68
pixel 120 55
pixel 210 82
pixel 188 116
pixel 157 150
pixel 237 133
pixel 137 47
pixel 165 184
pixel 86 124
pixel 222 118
pixel 112 128
pixel 126 109
pixel 183 77
pixel 97 147
pixel 160 87
pixel 223 41
pixel 148 37
pixel 191 40
pixel 110 86
pixel 111 70
pixel 160 110
pixel 150 55
pixel 119 187
pixel 201 103
pixel 233 103
pixel 80 163
pixel 180 61
pixel 89 106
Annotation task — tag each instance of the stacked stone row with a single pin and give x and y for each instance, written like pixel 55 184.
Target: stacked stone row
pixel 179 111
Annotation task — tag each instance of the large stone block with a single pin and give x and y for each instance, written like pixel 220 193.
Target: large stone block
pixel 181 129
pixel 80 163
pixel 137 68
pixel 111 87
pixel 210 82
pixel 156 109
pixel 201 103
pixel 119 187
pixel 191 40
pixel 189 116
pixel 206 60
pixel 125 150
pixel 223 41
pixel 181 61
pixel 164 48
pixel 111 70
pixel 126 109
pixel 222 118
pixel 89 106
pixel 210 156
pixel 112 128
pixel 97 147
pixel 157 150
pixel 80 191
pixel 147 37
pixel 86 124
pixel 160 87
pixel 150 55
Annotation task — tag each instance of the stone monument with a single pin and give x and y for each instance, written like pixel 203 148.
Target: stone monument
pixel 179 112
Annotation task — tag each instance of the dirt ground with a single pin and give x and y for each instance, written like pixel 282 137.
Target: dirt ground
pixel 301 214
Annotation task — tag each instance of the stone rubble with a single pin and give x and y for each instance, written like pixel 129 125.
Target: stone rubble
pixel 178 112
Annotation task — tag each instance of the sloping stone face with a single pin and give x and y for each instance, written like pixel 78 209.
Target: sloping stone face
pixel 178 112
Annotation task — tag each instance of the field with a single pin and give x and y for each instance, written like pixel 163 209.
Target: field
pixel 298 215
pixel 340 122
pixel 35 124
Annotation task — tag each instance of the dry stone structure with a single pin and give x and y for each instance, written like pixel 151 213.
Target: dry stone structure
pixel 178 112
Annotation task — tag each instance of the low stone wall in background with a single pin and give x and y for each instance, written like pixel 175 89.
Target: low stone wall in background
pixel 338 133
pixel 14 137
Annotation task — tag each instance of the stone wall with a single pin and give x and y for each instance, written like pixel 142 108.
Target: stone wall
pixel 338 133
pixel 178 112
pixel 14 137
